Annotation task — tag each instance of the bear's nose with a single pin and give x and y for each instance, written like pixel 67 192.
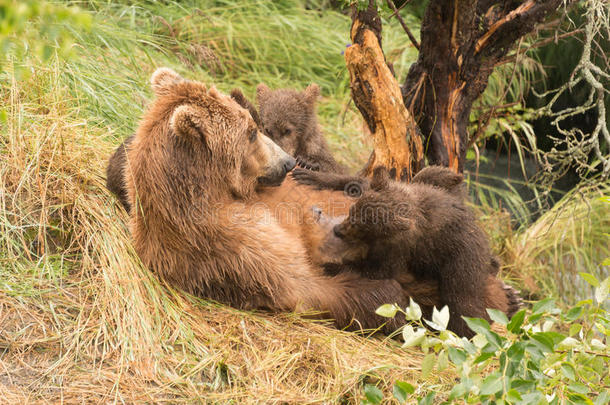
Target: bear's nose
pixel 289 164
pixel 339 231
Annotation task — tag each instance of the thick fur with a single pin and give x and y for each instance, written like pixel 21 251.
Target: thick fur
pixel 289 118
pixel 398 229
pixel 115 179
pixel 292 206
pixel 195 163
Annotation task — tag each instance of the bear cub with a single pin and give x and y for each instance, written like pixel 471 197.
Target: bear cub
pixel 289 119
pixel 424 230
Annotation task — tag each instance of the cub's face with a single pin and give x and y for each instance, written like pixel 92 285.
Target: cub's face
pixel 378 224
pixel 286 114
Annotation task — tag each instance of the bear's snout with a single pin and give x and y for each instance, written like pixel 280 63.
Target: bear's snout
pixel 289 164
pixel 278 165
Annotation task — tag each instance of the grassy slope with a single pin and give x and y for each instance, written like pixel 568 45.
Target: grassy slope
pixel 80 319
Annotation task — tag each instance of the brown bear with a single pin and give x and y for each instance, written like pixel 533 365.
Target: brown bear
pixel 289 119
pixel 398 230
pixel 292 205
pixel 194 165
pixel 115 179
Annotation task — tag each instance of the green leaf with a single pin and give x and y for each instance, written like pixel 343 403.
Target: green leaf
pixel 373 394
pixel 603 398
pixel 458 391
pixel 543 305
pixel 578 388
pixel 387 310
pixel 443 360
pixel 427 364
pixel 606 261
pixel 548 339
pixel 483 357
pixel 513 395
pixel 427 400
pixel 491 384
pixel 401 390
pixel 573 313
pixel 457 356
pixel 568 371
pixel 478 325
pixel 497 316
pixel 574 329
pixel 516 321
pixel 523 386
pixel 516 351
pixel 589 278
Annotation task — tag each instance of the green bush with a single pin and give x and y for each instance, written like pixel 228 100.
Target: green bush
pixel 545 356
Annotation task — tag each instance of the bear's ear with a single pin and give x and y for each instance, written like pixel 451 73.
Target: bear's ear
pixel 312 92
pixel 186 123
pixel 262 93
pixel 163 78
pixel 381 179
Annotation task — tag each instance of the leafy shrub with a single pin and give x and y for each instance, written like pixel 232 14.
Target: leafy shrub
pixel 545 355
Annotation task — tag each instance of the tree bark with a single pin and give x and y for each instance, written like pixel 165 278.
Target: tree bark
pixel 461 42
pixel 377 94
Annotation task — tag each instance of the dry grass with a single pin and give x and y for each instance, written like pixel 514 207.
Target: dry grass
pixel 82 321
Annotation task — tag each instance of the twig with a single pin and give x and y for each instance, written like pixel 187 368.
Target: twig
pixel 399 8
pixel 402 23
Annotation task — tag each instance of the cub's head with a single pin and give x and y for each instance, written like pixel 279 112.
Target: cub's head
pixel 209 139
pixel 379 223
pixel 287 115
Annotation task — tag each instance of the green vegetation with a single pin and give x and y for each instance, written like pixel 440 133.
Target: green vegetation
pixel 544 356
pixel 83 321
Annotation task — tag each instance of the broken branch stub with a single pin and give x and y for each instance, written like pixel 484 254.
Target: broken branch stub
pixel 377 94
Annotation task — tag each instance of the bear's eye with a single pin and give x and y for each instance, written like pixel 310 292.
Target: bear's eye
pixel 286 132
pixel 252 136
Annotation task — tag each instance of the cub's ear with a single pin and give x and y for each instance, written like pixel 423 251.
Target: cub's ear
pixel 312 92
pixel 163 78
pixel 262 93
pixel 239 97
pixel 438 176
pixel 187 123
pixel 381 179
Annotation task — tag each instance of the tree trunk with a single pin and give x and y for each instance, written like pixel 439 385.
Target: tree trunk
pixel 461 42
pixel 377 94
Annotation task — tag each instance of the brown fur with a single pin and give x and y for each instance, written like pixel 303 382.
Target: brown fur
pixel 115 179
pixel 289 119
pixel 292 205
pixel 194 165
pixel 396 229
pixel 354 186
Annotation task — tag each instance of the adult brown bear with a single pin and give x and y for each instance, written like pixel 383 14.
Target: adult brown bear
pixel 194 165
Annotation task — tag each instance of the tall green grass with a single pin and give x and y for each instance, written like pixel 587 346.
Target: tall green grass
pixel 228 43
